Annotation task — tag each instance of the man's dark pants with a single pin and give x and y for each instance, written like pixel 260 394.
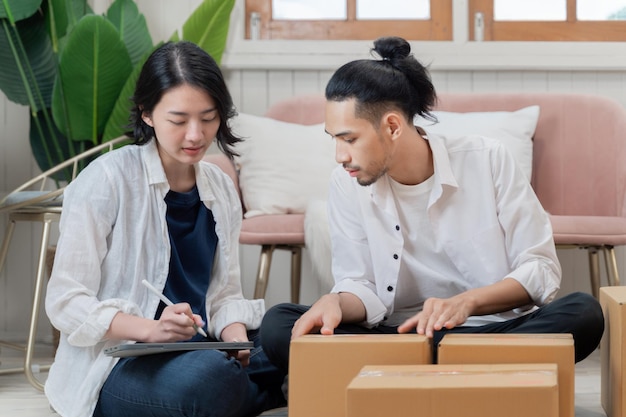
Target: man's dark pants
pixel 577 313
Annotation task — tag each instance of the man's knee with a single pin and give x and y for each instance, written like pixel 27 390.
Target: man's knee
pixel 587 322
pixel 276 332
pixel 278 321
pixel 586 308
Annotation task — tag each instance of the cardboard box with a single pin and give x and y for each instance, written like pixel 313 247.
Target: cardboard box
pixel 320 367
pixel 613 351
pixel 516 348
pixel 513 390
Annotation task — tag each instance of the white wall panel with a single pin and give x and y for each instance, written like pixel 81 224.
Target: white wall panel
pixel 457 81
pixel 560 81
pixel 307 82
pixel 254 86
pixel 233 80
pixel 611 84
pixel 585 82
pixel 280 86
pixel 534 81
pixel 510 81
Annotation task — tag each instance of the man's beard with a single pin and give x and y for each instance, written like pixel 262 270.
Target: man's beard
pixel 371 180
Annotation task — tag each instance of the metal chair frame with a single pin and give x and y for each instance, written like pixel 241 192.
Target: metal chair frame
pixel 44 205
pixel 610 264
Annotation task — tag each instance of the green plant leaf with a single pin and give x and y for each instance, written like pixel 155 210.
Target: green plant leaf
pixel 175 37
pixel 27 79
pixel 132 26
pixel 76 9
pixel 16 10
pixel 61 15
pixel 208 26
pixel 56 20
pixel 46 152
pixel 93 67
pixel 117 125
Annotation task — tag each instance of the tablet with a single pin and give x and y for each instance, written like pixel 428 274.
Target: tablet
pixel 140 349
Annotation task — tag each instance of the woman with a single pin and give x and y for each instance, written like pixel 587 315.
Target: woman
pixel 155 211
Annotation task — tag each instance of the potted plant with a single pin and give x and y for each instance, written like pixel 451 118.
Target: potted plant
pixel 76 70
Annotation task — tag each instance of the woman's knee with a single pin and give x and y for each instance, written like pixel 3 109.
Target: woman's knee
pixel 217 366
pixel 193 382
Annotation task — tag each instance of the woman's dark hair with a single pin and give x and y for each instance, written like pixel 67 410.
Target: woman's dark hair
pixel 174 64
pixel 397 80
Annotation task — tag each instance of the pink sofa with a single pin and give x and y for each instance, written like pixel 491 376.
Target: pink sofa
pixel 579 162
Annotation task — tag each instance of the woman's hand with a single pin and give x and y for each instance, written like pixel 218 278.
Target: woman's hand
pixel 236 332
pixel 175 324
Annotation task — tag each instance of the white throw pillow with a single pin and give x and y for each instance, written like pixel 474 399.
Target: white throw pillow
pixel 515 129
pixel 282 165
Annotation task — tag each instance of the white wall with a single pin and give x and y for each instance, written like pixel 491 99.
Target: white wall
pixel 260 73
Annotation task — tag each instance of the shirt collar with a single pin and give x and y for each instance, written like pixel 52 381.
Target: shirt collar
pixel 441 161
pixel 380 191
pixel 154 167
pixel 156 172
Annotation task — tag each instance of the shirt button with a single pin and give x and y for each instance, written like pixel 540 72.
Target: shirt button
pixel 395 256
pixel 397 227
pixel 390 288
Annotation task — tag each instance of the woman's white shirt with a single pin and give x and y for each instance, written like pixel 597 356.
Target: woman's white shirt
pixel 113 235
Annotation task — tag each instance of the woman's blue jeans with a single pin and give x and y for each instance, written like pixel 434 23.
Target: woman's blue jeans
pixel 201 383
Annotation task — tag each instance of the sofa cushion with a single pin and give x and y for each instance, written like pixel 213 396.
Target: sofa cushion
pixel 589 230
pixel 515 129
pixel 282 166
pixel 273 229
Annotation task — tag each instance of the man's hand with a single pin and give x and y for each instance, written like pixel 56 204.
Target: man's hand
pixel 323 316
pixel 439 313
pixel 448 313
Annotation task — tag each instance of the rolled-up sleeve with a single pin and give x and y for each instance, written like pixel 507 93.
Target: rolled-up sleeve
pixel 529 237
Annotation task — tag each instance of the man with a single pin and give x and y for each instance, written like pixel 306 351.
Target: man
pixel 429 235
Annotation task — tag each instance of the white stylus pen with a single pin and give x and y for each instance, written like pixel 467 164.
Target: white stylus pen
pixel 168 302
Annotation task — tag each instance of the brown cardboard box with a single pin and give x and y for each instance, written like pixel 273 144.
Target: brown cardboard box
pixel 516 348
pixel 613 351
pixel 320 367
pixel 512 390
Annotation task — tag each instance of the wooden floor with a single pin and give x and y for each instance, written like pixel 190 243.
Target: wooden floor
pixel 19 399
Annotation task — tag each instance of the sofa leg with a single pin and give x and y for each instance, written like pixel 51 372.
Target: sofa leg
pixel 296 268
pixel 265 261
pixel 594 270
pixel 611 265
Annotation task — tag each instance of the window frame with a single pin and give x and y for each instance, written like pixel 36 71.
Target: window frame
pixel 544 31
pixel 437 28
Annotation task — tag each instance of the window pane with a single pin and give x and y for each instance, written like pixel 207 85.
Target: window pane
pixel 392 9
pixel 309 9
pixel 601 10
pixel 533 10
